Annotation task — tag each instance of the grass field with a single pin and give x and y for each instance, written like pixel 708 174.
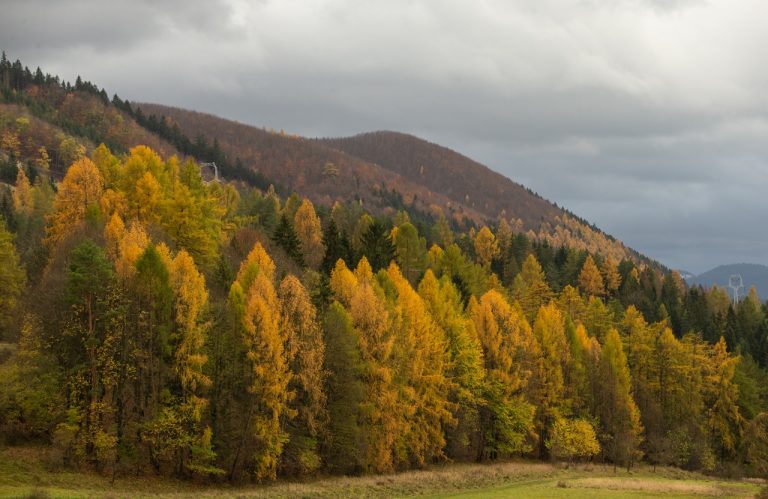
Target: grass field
pixel 23 473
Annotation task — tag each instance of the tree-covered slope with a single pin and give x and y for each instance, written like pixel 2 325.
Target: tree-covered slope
pixel 387 169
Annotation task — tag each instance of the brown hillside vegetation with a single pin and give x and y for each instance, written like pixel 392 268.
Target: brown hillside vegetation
pixel 431 177
pixel 60 113
pixel 321 173
pixel 442 170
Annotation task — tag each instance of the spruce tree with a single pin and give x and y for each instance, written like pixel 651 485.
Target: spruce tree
pixel 285 237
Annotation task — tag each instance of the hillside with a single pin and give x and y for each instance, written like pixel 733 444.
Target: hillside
pixel 393 170
pixel 45 121
pixel 752 275
pixel 321 173
pixel 443 170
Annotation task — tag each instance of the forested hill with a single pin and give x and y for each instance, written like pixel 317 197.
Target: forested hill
pixel 446 171
pixel 393 170
pixel 386 172
pixel 321 173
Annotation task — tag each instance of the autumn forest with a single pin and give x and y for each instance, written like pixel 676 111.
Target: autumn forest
pixel 156 321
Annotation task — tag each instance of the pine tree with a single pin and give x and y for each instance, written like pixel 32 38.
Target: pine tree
pixel 285 237
pixel 344 451
pixel 154 308
pixel 410 251
pixel 88 277
pixel 336 247
pixel 376 245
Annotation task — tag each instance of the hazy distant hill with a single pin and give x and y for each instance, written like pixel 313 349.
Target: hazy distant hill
pixel 752 274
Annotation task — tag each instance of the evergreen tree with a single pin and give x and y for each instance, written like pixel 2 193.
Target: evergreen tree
pixel 376 245
pixel 344 450
pixel 336 247
pixel 285 237
pixel 410 251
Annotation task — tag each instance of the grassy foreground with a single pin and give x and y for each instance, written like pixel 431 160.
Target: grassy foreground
pixel 23 473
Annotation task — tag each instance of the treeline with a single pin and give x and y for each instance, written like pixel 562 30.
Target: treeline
pixel 44 95
pixel 44 103
pixel 156 323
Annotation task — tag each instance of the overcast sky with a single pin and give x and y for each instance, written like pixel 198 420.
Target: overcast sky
pixel 647 117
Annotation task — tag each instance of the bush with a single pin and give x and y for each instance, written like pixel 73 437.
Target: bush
pixel 573 439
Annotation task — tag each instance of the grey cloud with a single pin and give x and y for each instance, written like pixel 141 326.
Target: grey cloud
pixel 647 117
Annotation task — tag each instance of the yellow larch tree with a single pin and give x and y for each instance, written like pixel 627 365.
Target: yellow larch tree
pixel 307 226
pixel 421 353
pixel 268 376
pixel 590 280
pixel 190 302
pixel 147 195
pixel 343 283
pixel 622 430
pixel 305 351
pixel 571 303
pixel 465 368
pixel 511 356
pixel 383 420
pixel 530 288
pixel 113 234
pixel 549 390
pixel 257 261
pixel 81 189
pixel 23 201
pixel 486 246
pixel 611 276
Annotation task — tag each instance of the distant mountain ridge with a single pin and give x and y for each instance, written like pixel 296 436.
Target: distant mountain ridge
pixel 752 274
